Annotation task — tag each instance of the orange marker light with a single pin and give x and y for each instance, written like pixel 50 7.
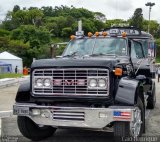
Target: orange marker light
pixel 104 33
pixel 72 37
pixel 97 33
pixel 124 34
pixel 90 34
pixel 118 71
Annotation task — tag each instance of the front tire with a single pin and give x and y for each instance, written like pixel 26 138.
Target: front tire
pixel 32 131
pixel 124 129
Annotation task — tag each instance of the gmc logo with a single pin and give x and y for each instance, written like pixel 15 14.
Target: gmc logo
pixel 66 82
pixel 70 82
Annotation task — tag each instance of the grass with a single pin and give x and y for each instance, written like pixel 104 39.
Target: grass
pixel 10 75
pixel 158 59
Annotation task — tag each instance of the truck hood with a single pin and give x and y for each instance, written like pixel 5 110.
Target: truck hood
pixel 77 62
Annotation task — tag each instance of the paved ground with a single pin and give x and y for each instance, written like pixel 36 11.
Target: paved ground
pixel 9 125
pixel 7 97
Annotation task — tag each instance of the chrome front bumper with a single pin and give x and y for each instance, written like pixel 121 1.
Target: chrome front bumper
pixel 83 117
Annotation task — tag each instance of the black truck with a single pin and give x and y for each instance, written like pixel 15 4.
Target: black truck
pixel 100 81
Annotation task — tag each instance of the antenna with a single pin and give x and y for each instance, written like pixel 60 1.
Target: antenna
pixel 80 25
pixel 80 32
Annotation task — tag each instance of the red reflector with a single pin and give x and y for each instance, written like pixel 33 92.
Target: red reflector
pixel 81 82
pixel 57 82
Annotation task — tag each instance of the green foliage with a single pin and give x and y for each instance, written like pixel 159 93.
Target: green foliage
pixel 4 42
pixel 66 32
pixel 99 16
pixel 16 34
pixel 28 33
pixel 153 26
pixel 16 8
pixel 60 50
pixel 158 50
pixel 137 19
pixel 88 26
pixel 32 16
pixel 110 23
pixel 4 32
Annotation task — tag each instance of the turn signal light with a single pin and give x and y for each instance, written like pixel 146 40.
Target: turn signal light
pixel 97 33
pixel 90 34
pixel 124 34
pixel 118 71
pixel 72 37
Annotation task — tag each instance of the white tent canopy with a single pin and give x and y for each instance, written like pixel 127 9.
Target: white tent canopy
pixel 13 60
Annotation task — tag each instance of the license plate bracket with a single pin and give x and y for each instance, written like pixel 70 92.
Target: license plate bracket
pixel 22 111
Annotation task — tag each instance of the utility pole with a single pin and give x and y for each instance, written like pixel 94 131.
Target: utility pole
pixel 150 7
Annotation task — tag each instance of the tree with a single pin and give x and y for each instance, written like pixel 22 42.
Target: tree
pixel 100 16
pixel 88 26
pixel 34 16
pixel 16 34
pixel 16 8
pixel 99 25
pixel 158 49
pixel 137 19
pixel 4 32
pixel 117 22
pixel 154 26
pixel 66 32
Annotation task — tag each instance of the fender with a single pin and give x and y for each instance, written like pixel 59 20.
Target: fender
pixel 23 93
pixel 126 92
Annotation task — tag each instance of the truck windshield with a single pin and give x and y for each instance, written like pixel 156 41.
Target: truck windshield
pixel 89 46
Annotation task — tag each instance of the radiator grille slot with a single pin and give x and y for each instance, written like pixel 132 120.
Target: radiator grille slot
pixel 68 115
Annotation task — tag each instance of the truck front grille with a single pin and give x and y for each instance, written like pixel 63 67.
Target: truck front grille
pixel 69 77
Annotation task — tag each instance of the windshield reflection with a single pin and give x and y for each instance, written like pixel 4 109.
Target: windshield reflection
pixel 89 46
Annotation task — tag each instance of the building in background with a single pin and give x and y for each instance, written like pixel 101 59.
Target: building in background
pixel 13 60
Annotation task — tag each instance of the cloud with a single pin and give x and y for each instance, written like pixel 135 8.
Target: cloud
pixel 122 9
pixel 122 5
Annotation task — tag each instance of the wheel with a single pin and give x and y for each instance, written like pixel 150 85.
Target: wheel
pixel 151 101
pixel 32 131
pixel 131 129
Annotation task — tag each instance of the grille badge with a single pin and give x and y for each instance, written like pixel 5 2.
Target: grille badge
pixel 67 82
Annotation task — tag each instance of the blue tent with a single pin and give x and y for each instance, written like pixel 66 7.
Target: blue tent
pixel 5 67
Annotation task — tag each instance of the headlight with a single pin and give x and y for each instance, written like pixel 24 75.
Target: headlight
pixel 47 82
pixel 101 83
pixel 97 83
pixel 92 83
pixel 39 82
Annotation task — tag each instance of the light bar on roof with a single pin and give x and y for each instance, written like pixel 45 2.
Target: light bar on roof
pixel 116 31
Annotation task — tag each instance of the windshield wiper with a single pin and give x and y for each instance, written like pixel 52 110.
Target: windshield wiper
pixel 71 55
pixel 102 54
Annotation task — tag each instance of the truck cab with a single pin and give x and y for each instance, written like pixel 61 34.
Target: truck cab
pixel 103 80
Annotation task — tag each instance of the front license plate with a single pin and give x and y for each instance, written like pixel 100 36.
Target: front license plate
pixel 21 111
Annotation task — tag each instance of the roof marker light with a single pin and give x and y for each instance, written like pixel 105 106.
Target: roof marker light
pixel 72 37
pixel 124 34
pixel 90 34
pixel 97 34
pixel 104 33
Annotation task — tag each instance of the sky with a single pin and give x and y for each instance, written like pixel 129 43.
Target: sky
pixel 113 9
